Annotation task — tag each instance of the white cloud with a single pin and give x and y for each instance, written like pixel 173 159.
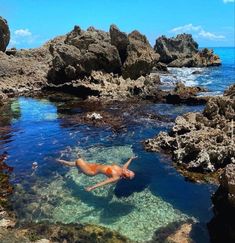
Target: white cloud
pixel 228 1
pixel 23 38
pixel 198 31
pixel 210 36
pixel 22 32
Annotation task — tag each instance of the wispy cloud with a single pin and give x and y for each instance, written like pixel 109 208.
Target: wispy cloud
pixel 22 32
pixel 23 38
pixel 228 1
pixel 198 31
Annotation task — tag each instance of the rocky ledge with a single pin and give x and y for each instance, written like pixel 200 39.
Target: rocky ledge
pixel 222 226
pixel 86 63
pixel 182 51
pixel 201 142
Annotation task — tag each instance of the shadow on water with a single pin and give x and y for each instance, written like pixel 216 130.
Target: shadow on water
pixel 104 205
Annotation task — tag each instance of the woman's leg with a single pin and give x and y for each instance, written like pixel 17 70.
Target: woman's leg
pixel 85 167
pixel 64 162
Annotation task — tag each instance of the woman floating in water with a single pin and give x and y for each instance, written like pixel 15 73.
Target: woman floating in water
pixel 113 172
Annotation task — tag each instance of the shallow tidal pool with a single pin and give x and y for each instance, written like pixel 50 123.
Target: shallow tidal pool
pixel 41 130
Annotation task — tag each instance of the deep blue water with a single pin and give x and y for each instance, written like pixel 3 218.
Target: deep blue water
pixel 39 130
pixel 215 79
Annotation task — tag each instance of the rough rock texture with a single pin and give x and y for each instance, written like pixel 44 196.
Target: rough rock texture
pixel 222 226
pixel 182 51
pixel 185 95
pixel 140 56
pixel 23 72
pixel 120 40
pixel 94 50
pixel 202 142
pixel 4 34
pixel 110 86
pixel 81 53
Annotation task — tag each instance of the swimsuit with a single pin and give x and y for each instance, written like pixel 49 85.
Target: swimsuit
pixel 108 171
pixel 93 167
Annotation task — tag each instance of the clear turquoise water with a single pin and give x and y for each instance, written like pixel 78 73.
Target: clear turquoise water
pixel 158 196
pixel 39 130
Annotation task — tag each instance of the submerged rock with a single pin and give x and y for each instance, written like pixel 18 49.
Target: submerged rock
pixel 201 142
pixel 182 51
pixel 4 34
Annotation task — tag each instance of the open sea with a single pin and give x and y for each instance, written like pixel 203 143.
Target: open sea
pixel 43 129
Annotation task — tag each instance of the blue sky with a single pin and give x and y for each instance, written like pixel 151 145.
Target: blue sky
pixel 32 22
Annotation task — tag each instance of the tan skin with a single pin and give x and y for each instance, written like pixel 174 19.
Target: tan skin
pixel 113 172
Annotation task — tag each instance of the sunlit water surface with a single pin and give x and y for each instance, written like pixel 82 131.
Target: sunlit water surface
pixel 38 130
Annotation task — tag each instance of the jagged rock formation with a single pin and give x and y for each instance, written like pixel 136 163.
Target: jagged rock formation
pixel 182 51
pixel 4 34
pixel 222 226
pixel 201 142
pixel 93 50
pixel 120 40
pixel 140 56
pixel 85 63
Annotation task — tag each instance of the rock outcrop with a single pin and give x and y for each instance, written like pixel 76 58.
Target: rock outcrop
pixel 120 40
pixel 222 226
pixel 4 34
pixel 25 71
pixel 140 56
pixel 85 63
pixel 185 95
pixel 182 51
pixel 94 50
pixel 201 142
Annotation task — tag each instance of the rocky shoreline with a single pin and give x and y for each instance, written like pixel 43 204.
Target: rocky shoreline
pixel 102 66
pixel 201 142
pixel 93 63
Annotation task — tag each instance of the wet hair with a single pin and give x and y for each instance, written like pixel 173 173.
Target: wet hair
pixel 130 176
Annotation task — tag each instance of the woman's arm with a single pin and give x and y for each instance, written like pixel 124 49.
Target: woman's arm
pixel 102 183
pixel 125 166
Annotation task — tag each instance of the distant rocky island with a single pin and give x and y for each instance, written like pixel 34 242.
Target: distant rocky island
pixel 95 64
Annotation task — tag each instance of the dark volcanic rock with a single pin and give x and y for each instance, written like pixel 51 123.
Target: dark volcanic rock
pixel 222 226
pixel 82 53
pixel 185 95
pixel 182 51
pixel 201 142
pixel 172 48
pixel 4 34
pixel 120 40
pixel 95 50
pixel 140 57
